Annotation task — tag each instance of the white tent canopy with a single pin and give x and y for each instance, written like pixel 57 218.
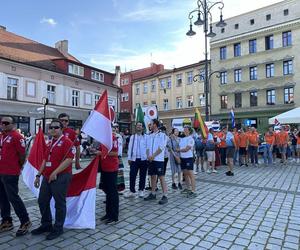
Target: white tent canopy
pixel 291 116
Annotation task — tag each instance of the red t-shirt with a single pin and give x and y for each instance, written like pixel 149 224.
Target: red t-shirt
pixel 61 150
pixel 111 163
pixel 71 134
pixel 12 147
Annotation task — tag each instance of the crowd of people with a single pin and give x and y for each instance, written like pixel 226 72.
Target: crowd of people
pixel 187 153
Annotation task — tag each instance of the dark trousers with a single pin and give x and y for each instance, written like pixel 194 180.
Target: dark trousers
pixel 58 190
pixel 135 166
pixel 223 155
pixel 109 180
pixel 165 165
pixel 253 154
pixel 9 194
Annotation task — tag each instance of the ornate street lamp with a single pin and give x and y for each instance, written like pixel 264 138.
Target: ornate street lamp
pixel 205 18
pixel 45 102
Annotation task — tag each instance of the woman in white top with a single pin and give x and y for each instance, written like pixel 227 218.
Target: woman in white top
pixel 186 147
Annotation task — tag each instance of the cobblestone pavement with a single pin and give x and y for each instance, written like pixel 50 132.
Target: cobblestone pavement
pixel 258 208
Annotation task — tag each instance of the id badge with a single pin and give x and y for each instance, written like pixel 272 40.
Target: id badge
pixel 48 164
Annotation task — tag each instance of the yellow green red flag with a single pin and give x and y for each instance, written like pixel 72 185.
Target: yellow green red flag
pixel 199 124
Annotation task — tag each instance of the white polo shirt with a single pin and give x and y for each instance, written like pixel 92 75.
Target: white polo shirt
pixel 155 141
pixel 183 143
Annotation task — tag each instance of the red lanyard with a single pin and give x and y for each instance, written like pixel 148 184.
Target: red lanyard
pixel 53 145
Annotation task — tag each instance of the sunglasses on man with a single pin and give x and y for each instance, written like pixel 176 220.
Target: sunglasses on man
pixel 5 123
pixel 64 120
pixel 54 127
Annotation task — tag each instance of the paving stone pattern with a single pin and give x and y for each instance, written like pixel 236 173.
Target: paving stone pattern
pixel 258 208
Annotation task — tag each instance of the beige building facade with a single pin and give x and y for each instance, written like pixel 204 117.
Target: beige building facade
pixel 257 55
pixel 174 92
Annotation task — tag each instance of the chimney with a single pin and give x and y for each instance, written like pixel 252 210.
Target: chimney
pixel 2 27
pixel 62 46
pixel 117 80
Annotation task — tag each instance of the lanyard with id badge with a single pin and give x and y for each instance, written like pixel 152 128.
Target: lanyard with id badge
pixel 1 144
pixel 48 162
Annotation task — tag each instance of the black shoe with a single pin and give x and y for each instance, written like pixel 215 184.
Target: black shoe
pixel 163 200
pixel 6 226
pixel 24 228
pixel 174 186
pixel 54 234
pixel 228 173
pixel 42 229
pixel 111 222
pixel 150 197
pixel 104 218
pixel 156 189
pixel 179 186
pixel 148 188
pixel 231 174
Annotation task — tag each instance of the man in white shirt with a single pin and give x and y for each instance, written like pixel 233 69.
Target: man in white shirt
pixel 137 161
pixel 156 146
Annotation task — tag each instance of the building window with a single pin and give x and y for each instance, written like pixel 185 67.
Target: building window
pixel 285 12
pixel 288 67
pixel 75 98
pixel 169 82
pixel 145 87
pixel 162 83
pixel 76 69
pixel 269 42
pixel 223 77
pixel 97 76
pixel 253 98
pixel 97 98
pixel 288 95
pixel 166 104
pixel 253 73
pixel 178 102
pixel 238 100
pixel 237 49
pixel 268 17
pixel 237 75
pixel 286 38
pixel 269 70
pixel 202 100
pixel 190 101
pixel 252 46
pixel 223 101
pixel 271 97
pixel 87 98
pixel 137 89
pixel 178 80
pixel 189 77
pixel 145 104
pixel 153 102
pixel 153 85
pixel 12 88
pixel 222 30
pixel 51 93
pixel 30 88
pixel 236 26
pixel 124 97
pixel 223 53
pixel 252 21
pixel 201 75
pixel 124 81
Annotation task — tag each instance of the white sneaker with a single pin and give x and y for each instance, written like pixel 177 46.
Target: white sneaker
pixel 208 171
pixel 141 194
pixel 215 171
pixel 129 195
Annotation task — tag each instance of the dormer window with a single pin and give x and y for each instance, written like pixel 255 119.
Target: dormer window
pixel 97 76
pixel 252 21
pixel 75 69
pixel 268 17
pixel 236 26
pixel 285 12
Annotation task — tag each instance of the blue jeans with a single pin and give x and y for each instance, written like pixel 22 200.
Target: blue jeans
pixel 268 157
pixel 253 154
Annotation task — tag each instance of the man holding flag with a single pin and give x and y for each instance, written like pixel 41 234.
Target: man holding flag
pixel 56 169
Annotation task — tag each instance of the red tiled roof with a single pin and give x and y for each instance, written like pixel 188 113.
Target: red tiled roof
pixel 24 50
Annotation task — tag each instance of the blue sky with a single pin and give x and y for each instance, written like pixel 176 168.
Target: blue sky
pixel 105 33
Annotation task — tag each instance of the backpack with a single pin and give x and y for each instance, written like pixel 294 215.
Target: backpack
pixel 199 143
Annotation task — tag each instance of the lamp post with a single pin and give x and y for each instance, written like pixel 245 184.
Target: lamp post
pixel 204 12
pixel 45 102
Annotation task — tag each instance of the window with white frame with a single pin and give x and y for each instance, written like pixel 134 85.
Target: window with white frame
pixel 288 95
pixel 98 76
pixel 145 87
pixel 189 76
pixel 96 98
pixel 137 89
pixel 51 93
pixel 75 98
pixel 223 77
pixel 190 101
pixel 153 85
pixel 153 102
pixel 124 81
pixel 75 69
pixel 145 104
pixel 201 75
pixel 162 83
pixel 124 97
pixel 169 82
pixel 12 88
pixel 166 104
pixel 202 100
pixel 30 88
pixel 88 98
pixel 288 67
pixel 271 97
pixel 178 102
pixel 178 80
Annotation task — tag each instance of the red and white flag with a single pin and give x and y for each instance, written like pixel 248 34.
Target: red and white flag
pixel 98 124
pixel 81 195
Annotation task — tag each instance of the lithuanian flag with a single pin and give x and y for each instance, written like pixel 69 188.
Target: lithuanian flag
pixel 199 124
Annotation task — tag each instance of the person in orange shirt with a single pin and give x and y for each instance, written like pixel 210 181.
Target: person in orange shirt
pixel 236 152
pixel 270 140
pixel 283 139
pixel 297 135
pixel 222 145
pixel 253 146
pixel 243 146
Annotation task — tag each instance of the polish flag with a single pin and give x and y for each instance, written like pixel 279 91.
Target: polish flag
pixel 98 124
pixel 81 194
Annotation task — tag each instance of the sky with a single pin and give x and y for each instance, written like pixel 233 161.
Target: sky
pixel 128 33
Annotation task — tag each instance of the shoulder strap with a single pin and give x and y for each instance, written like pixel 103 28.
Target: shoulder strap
pixel 132 145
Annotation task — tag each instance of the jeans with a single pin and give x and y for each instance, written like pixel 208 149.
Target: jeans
pixel 223 155
pixel 58 190
pixel 137 166
pixel 112 197
pixel 236 157
pixel 9 190
pixel 268 156
pixel 253 154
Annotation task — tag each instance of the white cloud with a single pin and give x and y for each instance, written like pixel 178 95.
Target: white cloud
pixel 49 21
